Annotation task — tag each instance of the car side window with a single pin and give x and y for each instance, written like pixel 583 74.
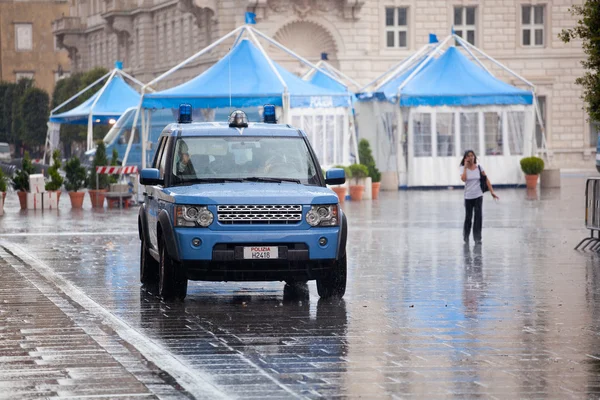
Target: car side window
pixel 163 158
pixel 161 147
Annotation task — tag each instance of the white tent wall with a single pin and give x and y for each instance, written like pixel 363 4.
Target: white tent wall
pixel 438 136
pixel 376 122
pixel 328 131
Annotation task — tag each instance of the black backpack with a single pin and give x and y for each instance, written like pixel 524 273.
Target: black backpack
pixel 482 181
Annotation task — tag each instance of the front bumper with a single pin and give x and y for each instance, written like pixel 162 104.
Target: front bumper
pixel 220 256
pixel 220 245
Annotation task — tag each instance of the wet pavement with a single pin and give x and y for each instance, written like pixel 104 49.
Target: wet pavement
pixel 424 316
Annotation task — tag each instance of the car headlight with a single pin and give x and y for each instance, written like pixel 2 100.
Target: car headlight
pixel 193 216
pixel 323 215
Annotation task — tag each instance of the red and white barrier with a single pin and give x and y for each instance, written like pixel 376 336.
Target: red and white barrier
pixel 112 170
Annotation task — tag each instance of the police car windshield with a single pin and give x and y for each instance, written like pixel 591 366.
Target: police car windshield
pixel 248 158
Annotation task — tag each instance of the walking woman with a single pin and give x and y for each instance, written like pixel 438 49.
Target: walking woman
pixel 470 174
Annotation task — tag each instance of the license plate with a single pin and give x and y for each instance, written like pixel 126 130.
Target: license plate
pixel 261 252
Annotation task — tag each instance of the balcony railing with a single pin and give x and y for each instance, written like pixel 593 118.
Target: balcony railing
pixel 66 25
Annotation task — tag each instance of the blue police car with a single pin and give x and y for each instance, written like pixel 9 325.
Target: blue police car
pixel 239 202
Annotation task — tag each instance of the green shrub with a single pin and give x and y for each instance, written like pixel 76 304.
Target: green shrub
pixel 2 181
pixel 532 165
pixel 366 158
pixel 100 160
pixel 20 180
pixel 114 161
pixel 358 171
pixel 75 175
pixel 56 180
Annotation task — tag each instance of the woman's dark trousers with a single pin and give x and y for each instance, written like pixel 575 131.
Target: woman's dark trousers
pixel 473 205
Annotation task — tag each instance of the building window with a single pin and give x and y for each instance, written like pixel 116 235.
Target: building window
pixel 532 25
pixel 23 37
pixel 539 134
pixel 23 75
pixel 396 27
pixel 465 23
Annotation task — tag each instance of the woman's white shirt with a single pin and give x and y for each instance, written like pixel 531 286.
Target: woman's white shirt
pixel 472 188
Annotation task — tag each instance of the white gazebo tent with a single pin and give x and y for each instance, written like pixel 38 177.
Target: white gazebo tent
pixel 433 108
pixel 248 78
pixel 103 107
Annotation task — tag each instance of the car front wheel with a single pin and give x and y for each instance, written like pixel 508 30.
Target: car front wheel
pixel 333 283
pixel 172 282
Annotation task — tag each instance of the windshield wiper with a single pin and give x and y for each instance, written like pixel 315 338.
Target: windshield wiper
pixel 209 180
pixel 266 179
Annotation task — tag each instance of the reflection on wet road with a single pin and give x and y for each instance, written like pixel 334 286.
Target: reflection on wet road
pixel 424 315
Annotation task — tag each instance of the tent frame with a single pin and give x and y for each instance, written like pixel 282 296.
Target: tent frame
pixel 90 125
pixel 240 31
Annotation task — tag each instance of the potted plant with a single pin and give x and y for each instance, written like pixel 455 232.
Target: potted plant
pixel 366 158
pixel 341 190
pixel 2 189
pixel 357 173
pixel 75 180
pixel 532 167
pixel 98 183
pixel 56 180
pixel 20 180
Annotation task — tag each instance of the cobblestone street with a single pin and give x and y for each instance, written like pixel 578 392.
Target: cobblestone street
pixel 424 316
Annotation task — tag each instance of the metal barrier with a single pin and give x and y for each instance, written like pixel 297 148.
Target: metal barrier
pixel 592 214
pixel 8 169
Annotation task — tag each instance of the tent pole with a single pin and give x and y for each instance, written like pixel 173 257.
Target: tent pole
pixel 198 54
pixel 420 67
pixel 135 120
pixel 125 74
pixel 340 73
pixel 393 70
pixel 290 52
pixel 237 39
pixel 79 93
pixel 498 63
pixel 462 41
pixel 311 71
pixel 405 66
pixel 90 132
pixel 270 62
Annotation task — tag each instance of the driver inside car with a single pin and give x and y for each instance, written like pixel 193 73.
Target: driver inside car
pixel 184 163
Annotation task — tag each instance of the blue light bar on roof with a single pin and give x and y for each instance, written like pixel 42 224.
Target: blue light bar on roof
pixel 269 114
pixel 185 114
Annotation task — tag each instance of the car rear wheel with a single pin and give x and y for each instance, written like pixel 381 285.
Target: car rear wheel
pixel 148 266
pixel 333 283
pixel 172 282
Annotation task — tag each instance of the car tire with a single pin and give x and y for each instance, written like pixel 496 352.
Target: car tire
pixel 333 283
pixel 172 282
pixel 148 266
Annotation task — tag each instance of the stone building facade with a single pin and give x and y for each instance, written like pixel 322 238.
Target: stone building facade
pixel 27 46
pixel 363 38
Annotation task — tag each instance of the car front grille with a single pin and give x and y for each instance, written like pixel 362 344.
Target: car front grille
pixel 259 214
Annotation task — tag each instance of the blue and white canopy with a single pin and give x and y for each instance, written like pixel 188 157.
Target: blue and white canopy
pixel 450 80
pixel 116 97
pixel 245 78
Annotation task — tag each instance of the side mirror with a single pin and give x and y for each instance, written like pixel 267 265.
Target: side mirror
pixel 335 176
pixel 151 176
